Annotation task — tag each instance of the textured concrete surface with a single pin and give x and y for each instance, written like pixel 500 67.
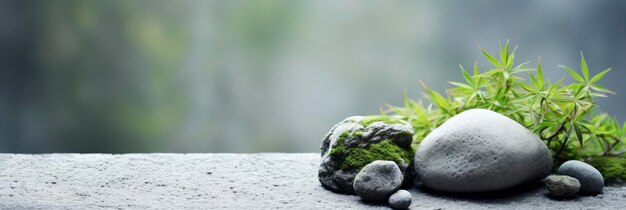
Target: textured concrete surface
pixel 222 181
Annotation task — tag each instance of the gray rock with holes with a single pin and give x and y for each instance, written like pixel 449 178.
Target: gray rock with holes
pixel 401 199
pixel 591 181
pixel 480 150
pixel 378 180
pixel 562 186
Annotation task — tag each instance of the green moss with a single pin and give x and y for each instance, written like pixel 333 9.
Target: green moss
pixel 613 169
pixel 358 134
pixel 366 121
pixel 339 147
pixel 385 150
pixel 356 158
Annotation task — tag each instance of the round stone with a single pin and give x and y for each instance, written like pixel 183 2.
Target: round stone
pixel 562 186
pixel 591 181
pixel 400 199
pixel 480 150
pixel 377 181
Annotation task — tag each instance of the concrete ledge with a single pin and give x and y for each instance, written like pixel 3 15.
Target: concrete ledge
pixel 220 181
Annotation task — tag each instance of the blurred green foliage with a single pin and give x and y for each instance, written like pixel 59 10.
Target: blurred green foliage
pixel 89 88
pixel 122 76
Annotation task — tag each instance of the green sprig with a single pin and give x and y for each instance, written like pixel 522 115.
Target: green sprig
pixel 562 115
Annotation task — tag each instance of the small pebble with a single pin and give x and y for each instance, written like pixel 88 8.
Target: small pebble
pixel 591 181
pixel 377 181
pixel 562 186
pixel 400 199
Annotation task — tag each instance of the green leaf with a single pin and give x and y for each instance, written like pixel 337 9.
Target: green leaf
pixel 525 86
pixel 476 69
pixel 534 80
pixel 579 134
pixel 489 73
pixel 572 73
pixel 462 85
pixel 521 67
pixel 555 87
pixel 599 75
pixel 466 76
pixel 598 95
pixel 439 101
pixel 591 128
pixel 476 77
pixel 504 52
pixel 510 61
pixel 583 67
pixel 601 88
pixel 540 79
pixel 491 59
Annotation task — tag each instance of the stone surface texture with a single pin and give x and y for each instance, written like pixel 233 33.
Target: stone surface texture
pixel 562 186
pixel 220 181
pixel 330 173
pixel 480 150
pixel 401 199
pixel 378 180
pixel 591 181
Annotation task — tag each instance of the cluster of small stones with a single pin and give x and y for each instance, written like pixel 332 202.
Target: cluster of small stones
pixel 475 151
pixel 380 181
pixel 576 178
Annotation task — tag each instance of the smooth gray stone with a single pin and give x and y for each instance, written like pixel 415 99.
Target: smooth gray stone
pixel 378 180
pixel 401 199
pixel 337 180
pixel 480 150
pixel 591 181
pixel 562 186
pixel 219 181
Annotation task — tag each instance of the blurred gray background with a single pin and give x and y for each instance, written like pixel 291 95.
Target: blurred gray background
pixel 262 76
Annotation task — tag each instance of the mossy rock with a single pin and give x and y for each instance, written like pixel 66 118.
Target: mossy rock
pixel 613 169
pixel 358 141
pixel 357 158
